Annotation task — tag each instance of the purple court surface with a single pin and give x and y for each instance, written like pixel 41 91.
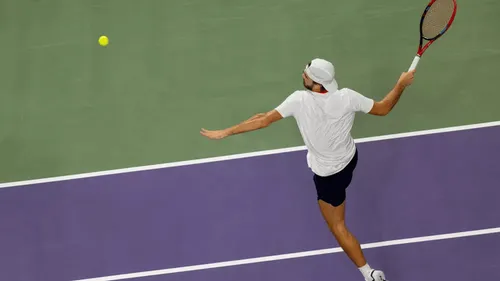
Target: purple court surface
pixel 259 206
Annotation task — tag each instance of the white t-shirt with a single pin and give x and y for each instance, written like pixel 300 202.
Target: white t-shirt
pixel 325 122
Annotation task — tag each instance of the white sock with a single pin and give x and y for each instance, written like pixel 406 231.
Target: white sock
pixel 366 270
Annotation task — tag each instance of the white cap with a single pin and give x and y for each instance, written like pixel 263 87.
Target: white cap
pixel 322 72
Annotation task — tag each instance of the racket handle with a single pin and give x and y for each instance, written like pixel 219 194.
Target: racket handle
pixel 414 63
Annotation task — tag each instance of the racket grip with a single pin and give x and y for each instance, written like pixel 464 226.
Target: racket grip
pixel 414 63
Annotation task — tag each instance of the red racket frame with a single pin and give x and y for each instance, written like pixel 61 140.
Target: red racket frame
pixel 421 49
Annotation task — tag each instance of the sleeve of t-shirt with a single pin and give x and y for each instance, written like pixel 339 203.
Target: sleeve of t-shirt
pixel 358 102
pixel 290 105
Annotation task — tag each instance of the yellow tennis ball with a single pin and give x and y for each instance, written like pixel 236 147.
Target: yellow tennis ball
pixel 103 40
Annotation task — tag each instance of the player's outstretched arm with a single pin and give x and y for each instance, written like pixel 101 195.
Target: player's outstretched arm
pixel 256 122
pixel 383 107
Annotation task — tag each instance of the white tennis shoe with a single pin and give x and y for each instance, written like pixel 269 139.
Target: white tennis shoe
pixel 376 275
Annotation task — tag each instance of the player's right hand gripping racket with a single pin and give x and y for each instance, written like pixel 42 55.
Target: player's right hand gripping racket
pixel 436 20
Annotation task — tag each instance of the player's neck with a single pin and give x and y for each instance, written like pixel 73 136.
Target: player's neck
pixel 320 91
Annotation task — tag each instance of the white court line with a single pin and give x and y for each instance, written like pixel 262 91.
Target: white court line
pixel 243 155
pixel 294 255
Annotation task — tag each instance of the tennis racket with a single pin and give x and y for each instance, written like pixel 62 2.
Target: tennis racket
pixel 435 21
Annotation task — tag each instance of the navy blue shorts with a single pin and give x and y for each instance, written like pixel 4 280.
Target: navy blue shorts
pixel 332 189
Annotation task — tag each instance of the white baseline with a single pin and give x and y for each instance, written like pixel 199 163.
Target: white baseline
pixel 294 255
pixel 242 155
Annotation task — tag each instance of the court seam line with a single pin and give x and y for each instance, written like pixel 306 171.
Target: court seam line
pixel 294 255
pixel 242 155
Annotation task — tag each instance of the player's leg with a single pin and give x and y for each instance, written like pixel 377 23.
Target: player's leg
pixel 331 199
pixel 335 218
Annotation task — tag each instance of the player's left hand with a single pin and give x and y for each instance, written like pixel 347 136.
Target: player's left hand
pixel 215 135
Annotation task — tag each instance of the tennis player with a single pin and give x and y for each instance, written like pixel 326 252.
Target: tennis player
pixel 325 115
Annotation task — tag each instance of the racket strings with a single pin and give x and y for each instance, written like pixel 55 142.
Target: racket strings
pixel 437 18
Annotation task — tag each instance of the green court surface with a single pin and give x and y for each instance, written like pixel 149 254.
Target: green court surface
pixel 69 106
